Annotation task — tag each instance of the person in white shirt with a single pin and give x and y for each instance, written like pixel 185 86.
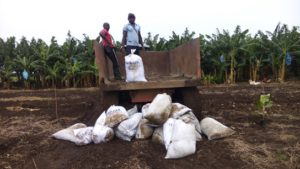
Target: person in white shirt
pixel 132 38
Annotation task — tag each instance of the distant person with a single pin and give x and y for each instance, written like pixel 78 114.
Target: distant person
pixel 109 50
pixel 132 36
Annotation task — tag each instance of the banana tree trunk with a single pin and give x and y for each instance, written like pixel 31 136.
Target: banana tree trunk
pixel 257 65
pixel 6 85
pixel 282 67
pixel 250 74
pixel 89 81
pixel 274 71
pixel 231 75
pixel 26 83
pixel 53 83
pixel 43 81
pixel 67 83
pixel 254 74
pixel 74 82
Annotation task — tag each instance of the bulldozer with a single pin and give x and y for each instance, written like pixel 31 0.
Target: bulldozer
pixel 175 72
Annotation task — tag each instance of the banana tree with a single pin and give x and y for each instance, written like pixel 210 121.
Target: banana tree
pixel 236 48
pixel 231 47
pixel 86 57
pixel 257 54
pixel 9 49
pixel 7 55
pixel 282 41
pixel 7 75
pixel 24 64
pixel 213 60
pixel 2 52
pixel 55 53
pixel 220 69
pixel 94 68
pixel 71 65
pixel 54 73
pixel 40 64
pixel 176 40
pixel 72 70
pixel 155 43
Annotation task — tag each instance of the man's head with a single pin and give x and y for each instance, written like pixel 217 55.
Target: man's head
pixel 106 26
pixel 131 18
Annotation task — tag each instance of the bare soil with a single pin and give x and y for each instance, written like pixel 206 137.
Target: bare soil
pixel 28 118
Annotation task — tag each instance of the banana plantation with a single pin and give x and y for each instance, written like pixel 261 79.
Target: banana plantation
pixel 225 58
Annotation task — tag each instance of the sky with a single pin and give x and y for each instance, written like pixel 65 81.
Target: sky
pixel 46 18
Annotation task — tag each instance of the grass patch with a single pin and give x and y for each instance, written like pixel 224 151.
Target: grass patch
pixel 280 155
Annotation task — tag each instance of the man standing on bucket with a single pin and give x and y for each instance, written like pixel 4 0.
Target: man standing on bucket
pixel 109 50
pixel 132 36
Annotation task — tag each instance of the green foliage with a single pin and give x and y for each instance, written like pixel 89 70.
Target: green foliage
pixel 209 79
pixel 72 64
pixel 260 116
pixel 281 155
pixel 7 76
pixel 155 43
pixel 264 102
pixel 248 57
pixel 176 40
pixel 232 48
pixel 283 40
pixel 161 44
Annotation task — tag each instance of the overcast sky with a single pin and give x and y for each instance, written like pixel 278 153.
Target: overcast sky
pixel 46 18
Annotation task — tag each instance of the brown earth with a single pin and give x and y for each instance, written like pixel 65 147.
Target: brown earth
pixel 28 118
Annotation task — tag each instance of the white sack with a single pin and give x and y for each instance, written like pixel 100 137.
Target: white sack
pixel 134 68
pixel 145 108
pixel 167 131
pixel 158 136
pixel 144 130
pixel 84 135
pixel 101 119
pixel 102 134
pixel 183 142
pixel 159 109
pixel 127 128
pixel 178 110
pixel 214 129
pixel 191 118
pixel 68 133
pixel 132 111
pixel 115 115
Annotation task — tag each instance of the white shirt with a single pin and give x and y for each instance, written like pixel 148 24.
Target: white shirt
pixel 132 34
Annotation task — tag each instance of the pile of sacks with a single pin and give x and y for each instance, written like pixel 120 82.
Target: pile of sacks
pixel 171 124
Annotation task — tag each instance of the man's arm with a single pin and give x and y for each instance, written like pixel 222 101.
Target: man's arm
pixel 141 40
pixel 103 37
pixel 124 38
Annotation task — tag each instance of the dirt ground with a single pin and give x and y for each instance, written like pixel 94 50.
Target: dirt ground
pixel 28 118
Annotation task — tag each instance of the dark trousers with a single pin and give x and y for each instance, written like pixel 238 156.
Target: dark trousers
pixel 128 50
pixel 111 54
